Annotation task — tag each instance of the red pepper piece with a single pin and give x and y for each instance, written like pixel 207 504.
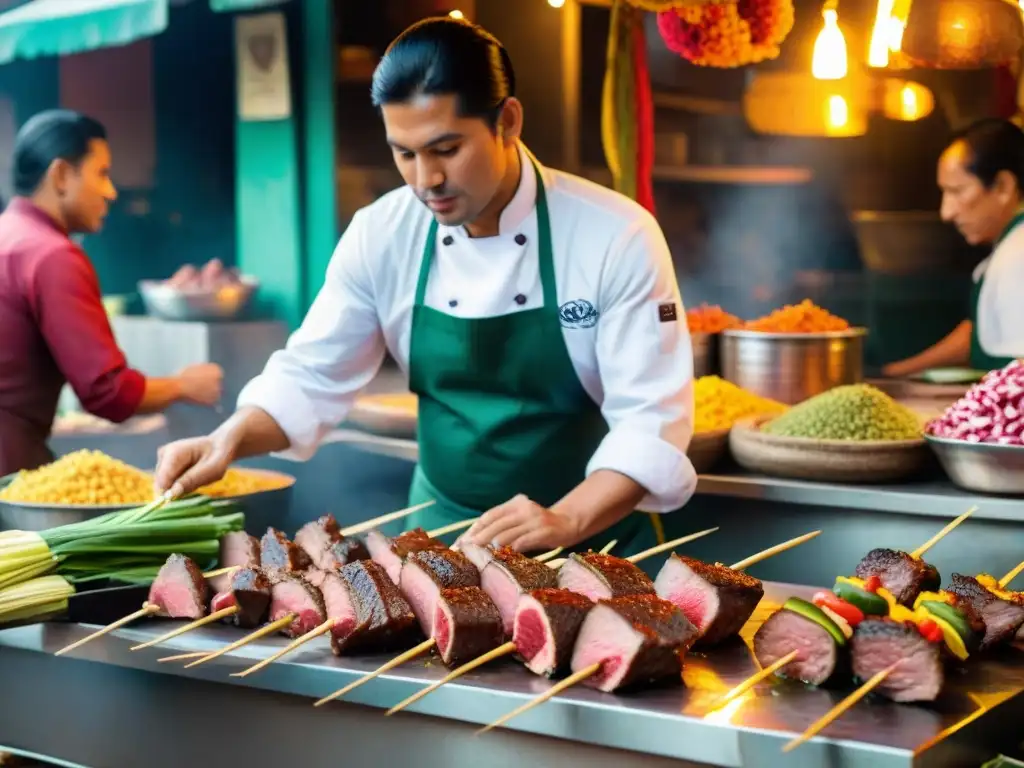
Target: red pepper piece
pixel 930 631
pixel 848 611
pixel 872 584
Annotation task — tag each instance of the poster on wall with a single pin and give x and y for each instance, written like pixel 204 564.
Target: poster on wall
pixel 264 84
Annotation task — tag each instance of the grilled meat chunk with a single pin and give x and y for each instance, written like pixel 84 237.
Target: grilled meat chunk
pixel 904 576
pixel 277 553
pixel 368 611
pixel 293 595
pixel 466 624
pixel 508 576
pixel 785 631
pixel 635 639
pixel 1003 618
pixel 391 553
pixel 236 548
pixel 546 624
pixel 880 643
pixel 249 590
pixel 426 573
pixel 715 598
pixel 179 589
pixel 600 577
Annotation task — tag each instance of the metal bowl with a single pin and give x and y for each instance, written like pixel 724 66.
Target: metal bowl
pixel 705 354
pixel 982 467
pixel 170 303
pixel 791 367
pixel 261 508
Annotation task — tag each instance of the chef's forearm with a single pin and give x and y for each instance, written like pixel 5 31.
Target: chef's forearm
pixel 600 501
pixel 249 432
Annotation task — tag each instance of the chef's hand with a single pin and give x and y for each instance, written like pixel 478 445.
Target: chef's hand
pixel 185 465
pixel 525 526
pixel 202 384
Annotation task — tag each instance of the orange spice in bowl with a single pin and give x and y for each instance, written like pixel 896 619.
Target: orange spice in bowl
pixel 805 317
pixel 710 318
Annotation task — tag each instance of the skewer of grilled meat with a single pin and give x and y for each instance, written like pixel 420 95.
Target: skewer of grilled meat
pixel 904 576
pixel 327 548
pixel 426 572
pixel 279 554
pixel 601 577
pixel 249 590
pixel 237 549
pixel 367 610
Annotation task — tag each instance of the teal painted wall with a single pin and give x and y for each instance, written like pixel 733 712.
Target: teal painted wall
pixel 188 216
pixel 31 85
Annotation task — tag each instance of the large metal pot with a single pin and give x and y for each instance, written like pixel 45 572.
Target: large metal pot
pixel 791 367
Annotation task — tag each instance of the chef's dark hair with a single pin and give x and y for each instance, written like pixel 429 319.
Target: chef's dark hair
pixel 48 136
pixel 441 56
pixel 995 145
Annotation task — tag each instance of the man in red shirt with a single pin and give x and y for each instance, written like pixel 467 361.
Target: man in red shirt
pixel 53 327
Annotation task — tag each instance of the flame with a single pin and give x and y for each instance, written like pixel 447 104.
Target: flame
pixel 829 61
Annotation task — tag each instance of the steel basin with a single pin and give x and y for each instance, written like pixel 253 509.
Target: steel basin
pixel 791 367
pixel 982 467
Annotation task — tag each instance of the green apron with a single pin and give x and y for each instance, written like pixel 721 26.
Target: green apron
pixel 501 409
pixel 980 359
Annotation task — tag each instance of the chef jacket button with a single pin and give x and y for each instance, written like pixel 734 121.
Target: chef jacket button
pixel 448 240
pixel 453 302
pixel 520 299
pixel 520 239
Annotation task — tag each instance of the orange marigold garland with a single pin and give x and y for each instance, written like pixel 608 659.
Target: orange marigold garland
pixel 727 34
pixel 657 6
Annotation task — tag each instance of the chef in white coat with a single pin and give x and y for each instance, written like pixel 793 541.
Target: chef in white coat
pixel 981 174
pixel 536 314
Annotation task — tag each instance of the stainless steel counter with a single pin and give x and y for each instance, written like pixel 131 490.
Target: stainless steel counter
pixel 149 708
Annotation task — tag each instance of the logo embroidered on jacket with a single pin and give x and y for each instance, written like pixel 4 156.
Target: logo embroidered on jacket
pixel 667 312
pixel 578 313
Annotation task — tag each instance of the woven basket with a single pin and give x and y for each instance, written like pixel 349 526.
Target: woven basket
pixel 836 461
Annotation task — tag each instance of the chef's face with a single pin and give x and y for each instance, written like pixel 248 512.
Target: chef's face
pixel 85 189
pixel 979 212
pixel 454 163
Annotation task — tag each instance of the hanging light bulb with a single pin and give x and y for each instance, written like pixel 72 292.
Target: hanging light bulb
pixel 457 14
pixel 560 3
pixel 881 34
pixel 829 62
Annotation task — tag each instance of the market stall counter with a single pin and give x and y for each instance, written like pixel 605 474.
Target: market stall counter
pixel 108 707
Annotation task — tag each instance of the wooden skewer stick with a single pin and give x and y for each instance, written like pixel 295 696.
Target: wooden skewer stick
pixel 423 647
pixel 147 609
pixel 754 679
pixel 323 629
pixel 772 551
pixel 221 571
pixel 549 555
pixel 919 552
pixel 376 522
pixel 223 613
pixel 837 711
pixel 561 561
pixel 280 624
pixel 469 666
pixel 183 657
pixel 556 689
pixel 668 545
pixel 459 526
pixel 609 546
pixel 1011 576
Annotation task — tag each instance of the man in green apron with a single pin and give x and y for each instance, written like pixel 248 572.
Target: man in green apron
pixel 537 316
pixel 981 174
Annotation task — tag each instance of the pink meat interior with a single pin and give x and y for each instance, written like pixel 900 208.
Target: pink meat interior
pixel 339 605
pixel 442 629
pixel 532 636
pixel 289 597
pixel 421 593
pixel 697 599
pixel 477 555
pixel 175 599
pixel 505 593
pixel 609 640
pixel 379 547
pixel 222 600
pixel 581 580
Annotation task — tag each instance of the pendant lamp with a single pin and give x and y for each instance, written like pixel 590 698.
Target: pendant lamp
pixel 963 34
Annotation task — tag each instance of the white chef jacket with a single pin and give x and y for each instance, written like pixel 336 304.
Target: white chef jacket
pixel 1001 301
pixel 632 353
